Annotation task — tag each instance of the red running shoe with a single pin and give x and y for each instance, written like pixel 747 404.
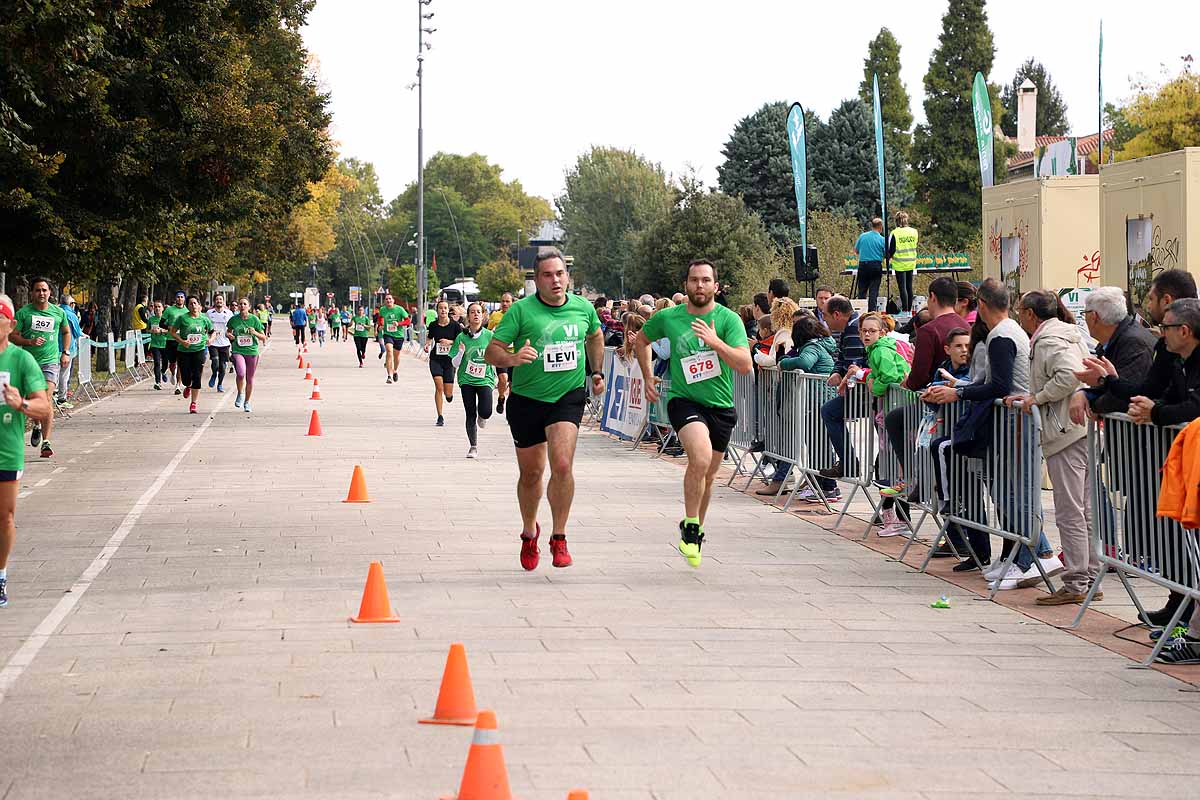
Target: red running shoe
pixel 192 410
pixel 558 549
pixel 529 549
pixel 187 390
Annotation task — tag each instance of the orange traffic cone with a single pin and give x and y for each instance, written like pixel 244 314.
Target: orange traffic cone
pixel 485 777
pixel 578 794
pixel 316 395
pixel 375 605
pixel 299 361
pixel 308 374
pixel 308 365
pixel 456 698
pixel 358 487
pixel 314 424
pixel 306 348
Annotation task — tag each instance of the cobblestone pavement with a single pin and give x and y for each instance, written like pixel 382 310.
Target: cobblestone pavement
pixel 211 655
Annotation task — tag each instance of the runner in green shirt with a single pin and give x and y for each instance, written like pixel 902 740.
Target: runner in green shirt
pixel 360 329
pixel 170 314
pixel 708 344
pixel 158 342
pixel 476 377
pixel 393 335
pixel 193 333
pixel 24 394
pixel 245 331
pixel 264 316
pixel 335 324
pixel 556 336
pixel 41 329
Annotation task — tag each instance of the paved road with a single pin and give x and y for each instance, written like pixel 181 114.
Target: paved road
pixel 211 655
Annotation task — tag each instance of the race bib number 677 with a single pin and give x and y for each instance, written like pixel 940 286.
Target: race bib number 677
pixel 700 366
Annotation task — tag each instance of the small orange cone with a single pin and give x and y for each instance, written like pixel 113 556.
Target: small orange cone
pixel 578 794
pixel 358 487
pixel 299 361
pixel 375 605
pixel 485 777
pixel 314 424
pixel 308 374
pixel 308 365
pixel 316 395
pixel 456 698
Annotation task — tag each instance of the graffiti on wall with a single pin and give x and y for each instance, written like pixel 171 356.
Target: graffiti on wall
pixel 1090 270
pixel 994 239
pixel 1164 254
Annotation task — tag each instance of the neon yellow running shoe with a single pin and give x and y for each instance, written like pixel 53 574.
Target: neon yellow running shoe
pixel 690 540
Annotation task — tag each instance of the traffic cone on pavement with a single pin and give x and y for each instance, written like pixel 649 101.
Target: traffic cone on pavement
pixel 578 794
pixel 316 395
pixel 308 374
pixel 485 777
pixel 375 605
pixel 314 424
pixel 456 698
pixel 358 487
pixel 299 361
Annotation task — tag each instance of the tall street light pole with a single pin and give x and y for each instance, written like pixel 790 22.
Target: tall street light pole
pixel 422 46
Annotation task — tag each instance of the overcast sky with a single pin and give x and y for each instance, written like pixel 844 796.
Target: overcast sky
pixel 533 83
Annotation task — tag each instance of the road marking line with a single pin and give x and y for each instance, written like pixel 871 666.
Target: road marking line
pixel 41 483
pixel 72 460
pixel 41 634
pixel 58 470
pixel 25 493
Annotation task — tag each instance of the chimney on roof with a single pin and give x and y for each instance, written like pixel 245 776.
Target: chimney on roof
pixel 1027 117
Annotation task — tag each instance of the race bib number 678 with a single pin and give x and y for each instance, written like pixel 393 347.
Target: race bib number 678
pixel 700 366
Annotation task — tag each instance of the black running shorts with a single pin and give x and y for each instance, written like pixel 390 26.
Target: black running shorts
pixel 529 418
pixel 719 421
pixel 442 367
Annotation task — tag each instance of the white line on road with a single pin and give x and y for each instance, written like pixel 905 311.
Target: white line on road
pixel 72 460
pixel 46 628
pixel 58 470
pixel 25 493
pixel 41 483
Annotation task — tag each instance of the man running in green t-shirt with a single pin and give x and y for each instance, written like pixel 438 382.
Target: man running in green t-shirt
pixel 392 317
pixel 551 330
pixel 41 329
pixel 708 344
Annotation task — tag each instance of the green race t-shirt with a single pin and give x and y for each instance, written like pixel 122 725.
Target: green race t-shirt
pixel 238 331
pixel 335 320
pixel 157 340
pixel 19 370
pixel 711 380
pixel 362 327
pixel 263 315
pixel 558 333
pixel 472 369
pixel 48 324
pixel 392 317
pixel 169 316
pixel 194 330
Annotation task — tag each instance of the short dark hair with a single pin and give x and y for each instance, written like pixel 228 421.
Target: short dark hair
pixel 966 291
pixel 945 290
pixel 993 294
pixel 1177 283
pixel 599 302
pixel 806 329
pixel 1187 312
pixel 39 279
pixel 700 262
pixel 547 253
pixel 778 287
pixel 1046 305
pixel 839 305
pixel 823 288
pixel 761 300
pixel 956 332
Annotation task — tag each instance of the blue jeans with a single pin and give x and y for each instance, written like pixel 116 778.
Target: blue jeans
pixel 833 414
pixel 1017 492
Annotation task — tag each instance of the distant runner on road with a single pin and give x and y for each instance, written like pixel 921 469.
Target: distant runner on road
pixel 360 327
pixel 708 344
pixel 442 333
pixel 193 332
pixel 41 329
pixel 475 375
pixel 391 316
pixel 24 392
pixel 246 332
pixel 504 375
pixel 559 351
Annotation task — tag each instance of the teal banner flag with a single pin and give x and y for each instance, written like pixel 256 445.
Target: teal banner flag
pixel 795 132
pixel 1100 90
pixel 982 106
pixel 879 151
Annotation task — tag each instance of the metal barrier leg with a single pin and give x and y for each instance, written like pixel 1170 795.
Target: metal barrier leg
pixel 1087 601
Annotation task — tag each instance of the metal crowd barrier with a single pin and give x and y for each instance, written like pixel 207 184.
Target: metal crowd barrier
pixel 745 432
pixel 658 421
pixel 1131 539
pixel 922 424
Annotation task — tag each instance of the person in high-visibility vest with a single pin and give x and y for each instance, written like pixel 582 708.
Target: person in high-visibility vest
pixel 902 252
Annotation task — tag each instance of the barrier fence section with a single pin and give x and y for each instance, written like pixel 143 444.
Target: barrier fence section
pixel 1131 539
pixel 744 434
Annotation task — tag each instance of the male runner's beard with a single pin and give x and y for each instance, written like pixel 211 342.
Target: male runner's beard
pixel 699 298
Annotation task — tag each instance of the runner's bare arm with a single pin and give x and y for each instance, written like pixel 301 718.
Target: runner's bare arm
pixel 17 338
pixel 641 349
pixel 738 358
pixel 66 342
pixel 37 403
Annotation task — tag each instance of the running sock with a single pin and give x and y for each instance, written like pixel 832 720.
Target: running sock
pixel 692 521
pixel 558 536
pixel 3 574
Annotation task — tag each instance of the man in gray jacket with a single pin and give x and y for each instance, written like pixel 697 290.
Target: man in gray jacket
pixel 1057 350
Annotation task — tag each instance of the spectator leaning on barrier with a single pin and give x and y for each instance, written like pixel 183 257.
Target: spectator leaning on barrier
pixel 1057 350
pixel 1101 374
pixel 1122 340
pixel 781 322
pixel 814 348
pixel 841 318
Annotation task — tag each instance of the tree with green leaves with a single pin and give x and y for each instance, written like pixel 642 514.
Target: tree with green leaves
pixel 402 282
pixel 1051 108
pixel 883 59
pixel 705 224
pixel 945 157
pixel 497 277
pixel 611 195
pixel 843 167
pixel 1160 119
pixel 758 167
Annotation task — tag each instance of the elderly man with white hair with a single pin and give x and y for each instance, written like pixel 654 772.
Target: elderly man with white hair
pixel 1123 341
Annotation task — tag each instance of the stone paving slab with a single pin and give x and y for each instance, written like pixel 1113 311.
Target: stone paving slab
pixel 213 654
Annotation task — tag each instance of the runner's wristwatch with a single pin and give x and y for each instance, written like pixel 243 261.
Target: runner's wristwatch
pixel 596 374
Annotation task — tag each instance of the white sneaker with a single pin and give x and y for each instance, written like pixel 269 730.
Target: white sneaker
pixel 991 573
pixel 473 452
pixel 892 526
pixel 1052 566
pixel 1031 576
pixel 481 422
pixel 1010 579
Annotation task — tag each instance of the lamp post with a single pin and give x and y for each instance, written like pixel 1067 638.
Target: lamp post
pixel 422 46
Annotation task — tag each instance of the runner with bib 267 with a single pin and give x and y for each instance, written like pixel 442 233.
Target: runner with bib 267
pixel 708 344
pixel 551 330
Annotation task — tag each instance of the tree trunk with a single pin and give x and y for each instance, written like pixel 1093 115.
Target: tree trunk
pixel 105 288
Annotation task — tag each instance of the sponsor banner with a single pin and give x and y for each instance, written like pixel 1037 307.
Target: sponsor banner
pixel 624 399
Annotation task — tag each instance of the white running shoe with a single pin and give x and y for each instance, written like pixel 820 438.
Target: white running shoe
pixel 1010 580
pixel 1052 566
pixel 481 422
pixel 991 573
pixel 892 526
pixel 473 452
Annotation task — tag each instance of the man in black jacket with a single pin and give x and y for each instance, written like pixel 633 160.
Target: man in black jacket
pixel 1123 340
pixel 841 318
pixel 1122 387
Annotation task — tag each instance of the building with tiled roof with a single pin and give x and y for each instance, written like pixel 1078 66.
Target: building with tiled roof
pixel 1021 165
